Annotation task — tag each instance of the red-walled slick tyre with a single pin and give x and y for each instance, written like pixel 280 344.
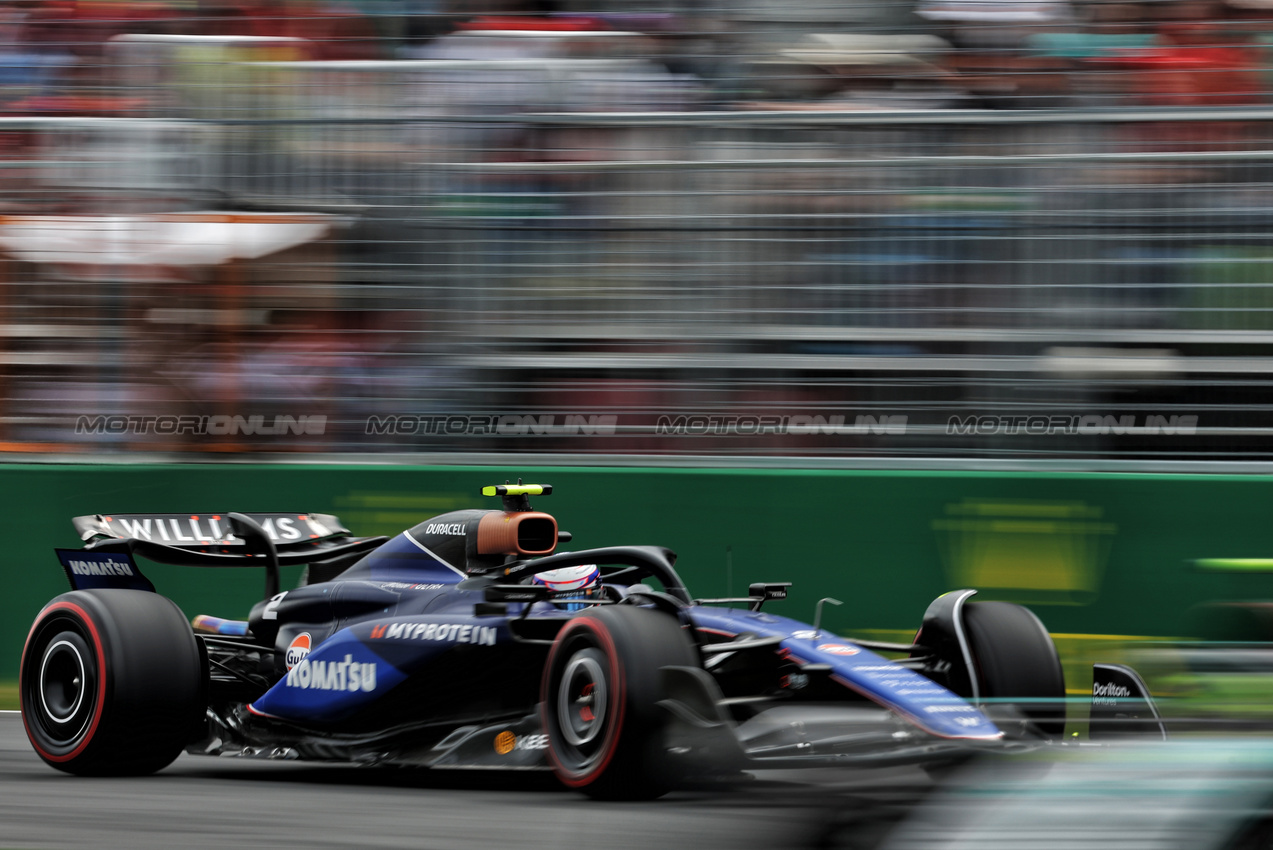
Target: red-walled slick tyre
pixel 112 683
pixel 598 701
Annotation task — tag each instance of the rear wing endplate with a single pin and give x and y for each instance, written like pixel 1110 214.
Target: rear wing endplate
pixel 91 570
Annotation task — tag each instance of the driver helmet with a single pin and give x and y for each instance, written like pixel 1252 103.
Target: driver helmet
pixel 581 582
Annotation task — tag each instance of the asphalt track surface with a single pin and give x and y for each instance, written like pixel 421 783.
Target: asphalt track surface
pixel 203 802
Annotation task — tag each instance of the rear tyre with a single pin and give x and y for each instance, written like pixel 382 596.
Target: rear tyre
pixel 1015 659
pixel 112 683
pixel 598 701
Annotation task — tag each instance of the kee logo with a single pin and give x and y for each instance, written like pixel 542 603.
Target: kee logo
pixel 506 742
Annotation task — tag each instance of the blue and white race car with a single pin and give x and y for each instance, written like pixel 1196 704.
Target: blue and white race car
pixel 468 641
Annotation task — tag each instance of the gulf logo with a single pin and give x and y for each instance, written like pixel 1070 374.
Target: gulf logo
pixel 297 650
pixel 838 649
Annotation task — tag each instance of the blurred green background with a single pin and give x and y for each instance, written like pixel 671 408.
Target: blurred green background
pixel 1106 560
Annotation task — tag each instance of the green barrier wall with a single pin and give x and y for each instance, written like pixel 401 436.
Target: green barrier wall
pixel 1093 554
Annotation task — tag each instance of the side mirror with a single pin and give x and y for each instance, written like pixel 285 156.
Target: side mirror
pixel 762 591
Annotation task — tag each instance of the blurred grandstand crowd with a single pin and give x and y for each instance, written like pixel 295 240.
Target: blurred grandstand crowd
pixel 627 211
pixel 822 54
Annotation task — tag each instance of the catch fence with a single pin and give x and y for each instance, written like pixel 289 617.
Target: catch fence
pixel 392 249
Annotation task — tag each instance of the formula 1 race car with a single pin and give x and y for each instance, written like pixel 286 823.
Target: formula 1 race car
pixel 465 642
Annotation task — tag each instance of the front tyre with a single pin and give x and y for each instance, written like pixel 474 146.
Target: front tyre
pixel 111 682
pixel 598 701
pixel 1015 659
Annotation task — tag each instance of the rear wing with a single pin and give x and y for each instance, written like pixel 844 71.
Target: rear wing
pixel 217 540
pixel 186 531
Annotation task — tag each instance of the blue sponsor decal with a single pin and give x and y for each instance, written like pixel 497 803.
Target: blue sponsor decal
pixel 359 665
pixel 93 570
pixel 338 677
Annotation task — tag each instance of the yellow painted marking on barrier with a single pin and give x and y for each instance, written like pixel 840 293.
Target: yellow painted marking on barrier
pixel 1236 565
pixel 1075 636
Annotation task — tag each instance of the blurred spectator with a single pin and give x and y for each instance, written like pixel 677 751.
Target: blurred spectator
pixel 337 30
pixel 993 59
pixel 26 69
pixel 1085 49
pixel 1111 27
pixel 850 71
pixel 1196 59
pixel 995 24
pixel 621 76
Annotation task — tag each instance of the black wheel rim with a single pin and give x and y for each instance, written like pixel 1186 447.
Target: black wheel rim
pixel 582 697
pixel 583 705
pixel 59 691
pixel 63 676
